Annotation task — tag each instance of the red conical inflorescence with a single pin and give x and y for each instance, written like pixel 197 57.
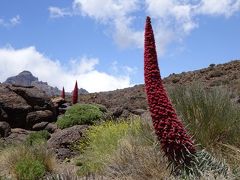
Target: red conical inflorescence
pixel 63 93
pixel 173 137
pixel 75 94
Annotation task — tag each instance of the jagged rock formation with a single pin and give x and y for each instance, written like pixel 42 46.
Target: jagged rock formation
pixel 26 78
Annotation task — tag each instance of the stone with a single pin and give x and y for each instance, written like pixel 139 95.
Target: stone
pixel 138 111
pixel 51 128
pixel 63 139
pixel 5 129
pixel 32 95
pixel 40 126
pixel 14 107
pixel 39 116
pixel 17 136
pixel 58 101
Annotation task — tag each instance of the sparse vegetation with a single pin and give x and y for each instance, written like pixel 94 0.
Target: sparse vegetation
pixel 26 162
pixel 212 118
pixel 210 115
pixel 37 137
pixel 80 114
pixel 102 140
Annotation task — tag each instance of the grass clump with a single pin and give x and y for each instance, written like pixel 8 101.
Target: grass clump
pixel 80 114
pixel 37 137
pixel 26 162
pixel 210 115
pixel 29 169
pixel 212 118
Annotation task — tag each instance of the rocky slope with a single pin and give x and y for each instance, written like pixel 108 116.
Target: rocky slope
pixel 133 100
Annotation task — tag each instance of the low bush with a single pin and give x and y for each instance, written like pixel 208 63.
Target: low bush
pixel 80 114
pixel 37 137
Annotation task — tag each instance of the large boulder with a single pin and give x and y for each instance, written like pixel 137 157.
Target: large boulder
pixel 24 106
pixel 62 140
pixel 38 117
pixel 17 136
pixel 32 95
pixel 5 129
pixel 13 107
pixel 50 127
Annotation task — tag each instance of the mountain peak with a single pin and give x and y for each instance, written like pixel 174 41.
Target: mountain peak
pixel 25 78
pixel 28 73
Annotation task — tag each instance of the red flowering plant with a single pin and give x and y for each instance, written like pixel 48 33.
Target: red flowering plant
pixel 75 94
pixel 174 139
pixel 175 142
pixel 63 93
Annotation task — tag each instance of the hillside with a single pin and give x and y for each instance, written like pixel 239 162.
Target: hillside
pixel 124 101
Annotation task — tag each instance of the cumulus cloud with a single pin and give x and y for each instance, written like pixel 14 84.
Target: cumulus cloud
pixel 173 19
pixel 13 61
pixel 11 22
pixel 218 7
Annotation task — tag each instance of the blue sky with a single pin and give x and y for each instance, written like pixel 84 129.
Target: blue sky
pixel 99 42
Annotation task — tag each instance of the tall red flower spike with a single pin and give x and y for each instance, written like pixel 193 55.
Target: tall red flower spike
pixel 75 94
pixel 173 137
pixel 63 93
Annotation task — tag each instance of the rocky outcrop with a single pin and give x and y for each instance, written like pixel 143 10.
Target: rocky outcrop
pixel 62 140
pixel 13 107
pixel 22 107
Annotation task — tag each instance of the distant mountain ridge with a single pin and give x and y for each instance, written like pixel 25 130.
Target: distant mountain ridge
pixel 26 78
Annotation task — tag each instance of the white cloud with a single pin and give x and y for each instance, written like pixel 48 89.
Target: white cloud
pixel 172 19
pixel 218 7
pixel 13 61
pixel 11 22
pixel 56 12
pixel 116 14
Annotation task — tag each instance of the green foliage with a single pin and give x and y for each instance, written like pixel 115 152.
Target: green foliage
pixel 102 140
pixel 37 137
pixel 210 115
pixel 29 169
pixel 202 163
pixel 26 162
pixel 80 114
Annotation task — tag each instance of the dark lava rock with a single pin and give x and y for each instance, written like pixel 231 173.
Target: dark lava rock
pixel 14 106
pixel 39 116
pixel 63 139
pixel 5 129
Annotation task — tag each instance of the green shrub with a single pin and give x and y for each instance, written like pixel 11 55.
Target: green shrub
pixel 20 160
pixel 102 140
pixel 210 115
pixel 37 137
pixel 80 114
pixel 29 169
